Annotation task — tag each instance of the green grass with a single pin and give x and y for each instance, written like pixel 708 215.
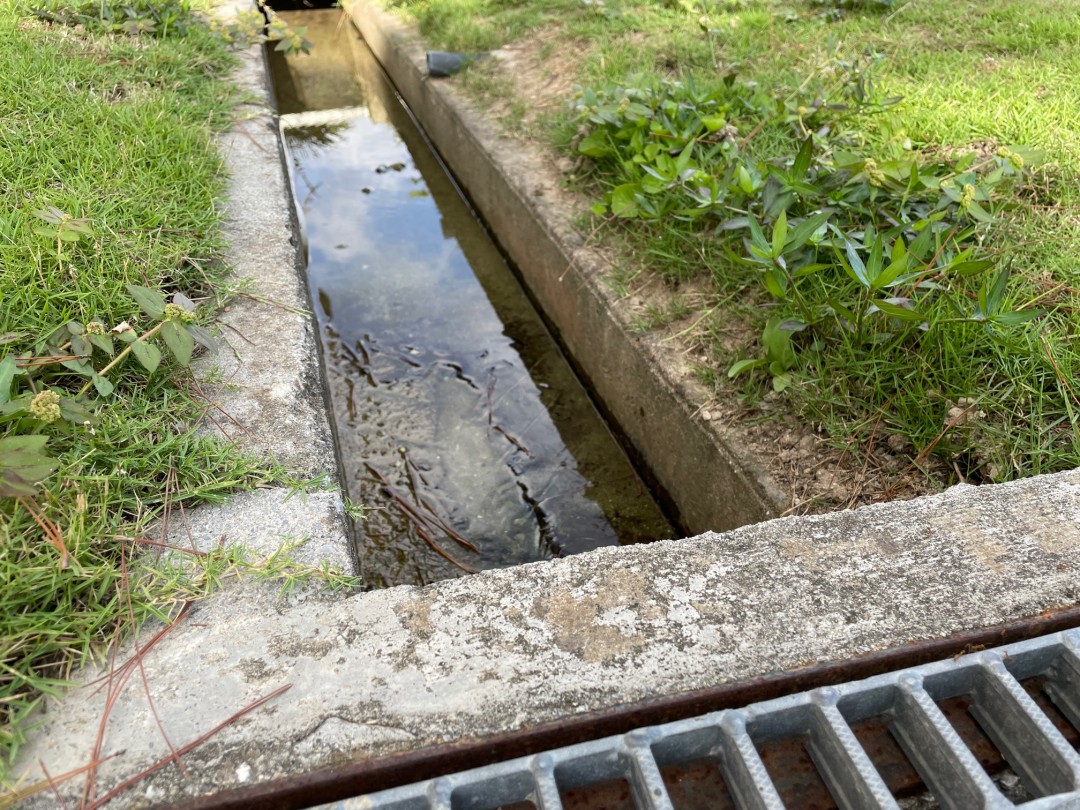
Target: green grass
pixel 999 72
pixel 117 130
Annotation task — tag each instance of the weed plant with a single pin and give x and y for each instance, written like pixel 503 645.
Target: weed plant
pixel 879 260
pixel 109 238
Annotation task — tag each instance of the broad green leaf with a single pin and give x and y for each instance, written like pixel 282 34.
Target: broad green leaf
pixel 743 260
pixel 874 262
pixel 624 200
pixel 792 325
pixel 889 276
pixel 899 250
pixel 683 161
pixel 180 343
pixel 806 189
pixel 846 160
pixel 79 226
pixel 1016 317
pixel 182 300
pixel 757 238
pixel 802 160
pixel 32 472
pixel 22 464
pixel 969 268
pixel 897 311
pixel 805 230
pixel 13 486
pixel 775 281
pixel 52 215
pixel 920 247
pixel 809 269
pixel 746 182
pixel 150 301
pixel 739 366
pixel 22 444
pixel 779 234
pixel 80 345
pixel 841 310
pixel 978 213
pixel 777 343
pixel 147 354
pixel 996 291
pixel 854 265
pixel 75 411
pixel 202 337
pixel 81 367
pixel 734 224
pixel 20 404
pixel 7 374
pixel 713 122
pixel 869 235
pixel 103 385
pixel 596 144
pixel 103 342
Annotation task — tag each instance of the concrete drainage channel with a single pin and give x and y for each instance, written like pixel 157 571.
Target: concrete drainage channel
pixel 389 687
pixel 460 426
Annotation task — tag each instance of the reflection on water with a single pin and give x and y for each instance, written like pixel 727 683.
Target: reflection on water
pixel 462 428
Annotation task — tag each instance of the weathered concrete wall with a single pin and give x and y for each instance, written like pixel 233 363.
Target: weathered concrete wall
pixel 511 186
pixel 506 650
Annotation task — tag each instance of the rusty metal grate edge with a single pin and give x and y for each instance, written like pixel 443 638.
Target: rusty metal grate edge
pixel 1032 745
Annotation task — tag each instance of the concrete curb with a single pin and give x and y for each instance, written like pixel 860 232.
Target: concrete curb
pixel 505 651
pixel 267 380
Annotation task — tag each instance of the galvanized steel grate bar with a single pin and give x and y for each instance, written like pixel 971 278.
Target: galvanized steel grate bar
pixel 907 700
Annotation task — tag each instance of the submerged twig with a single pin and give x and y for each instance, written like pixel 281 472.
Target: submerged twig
pixel 419 521
pixel 432 516
pixel 362 363
pixel 421 529
pixel 517 443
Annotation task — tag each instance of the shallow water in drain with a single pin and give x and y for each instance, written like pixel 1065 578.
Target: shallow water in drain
pixel 458 420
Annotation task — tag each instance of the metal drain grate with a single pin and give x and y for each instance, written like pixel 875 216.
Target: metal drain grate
pixel 1024 697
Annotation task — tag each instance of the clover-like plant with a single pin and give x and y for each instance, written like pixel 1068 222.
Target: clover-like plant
pixel 35 391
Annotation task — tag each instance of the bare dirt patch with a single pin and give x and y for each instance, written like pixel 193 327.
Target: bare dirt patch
pixel 542 69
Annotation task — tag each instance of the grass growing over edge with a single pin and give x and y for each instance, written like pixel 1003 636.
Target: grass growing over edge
pixel 996 73
pixel 117 130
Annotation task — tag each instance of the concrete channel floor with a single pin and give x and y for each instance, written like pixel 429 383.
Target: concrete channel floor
pixel 381 672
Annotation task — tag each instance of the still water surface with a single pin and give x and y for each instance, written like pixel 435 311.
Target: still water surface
pixel 458 420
